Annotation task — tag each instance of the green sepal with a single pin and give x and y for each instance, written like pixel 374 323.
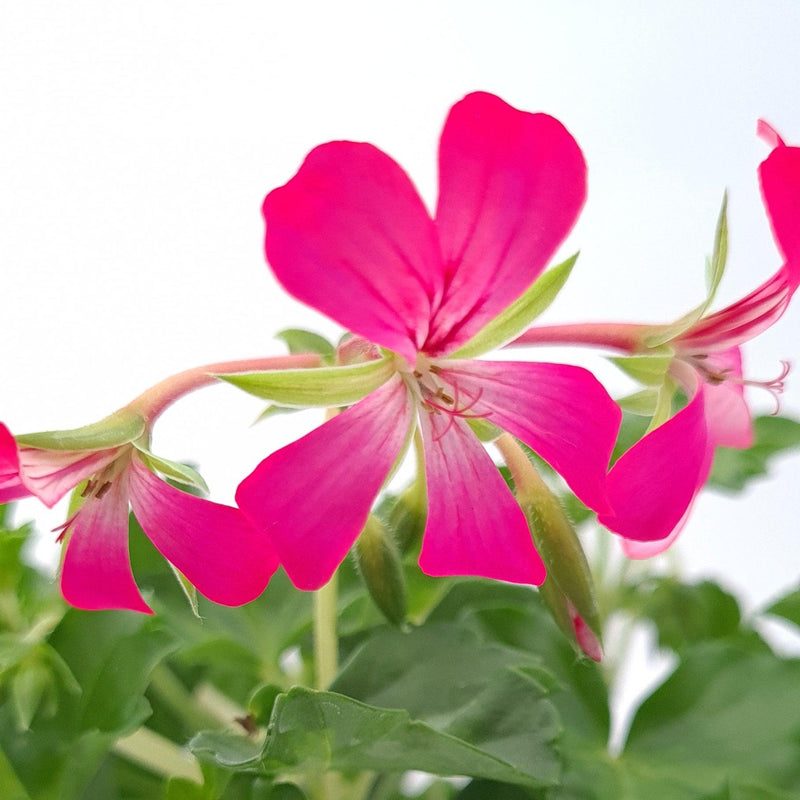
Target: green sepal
pixel 189 592
pixel 273 411
pixel 562 554
pixel 378 560
pixel 642 403
pixel 317 386
pixel 663 409
pixel 300 341
pixel 519 315
pixel 182 473
pixel 115 430
pixel 485 431
pixel 715 268
pixel 649 370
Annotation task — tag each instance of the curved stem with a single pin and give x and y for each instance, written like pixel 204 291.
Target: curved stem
pixel 155 400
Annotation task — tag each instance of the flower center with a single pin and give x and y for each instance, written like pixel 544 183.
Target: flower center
pixel 437 392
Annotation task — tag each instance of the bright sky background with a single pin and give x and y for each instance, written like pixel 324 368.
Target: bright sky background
pixel 137 141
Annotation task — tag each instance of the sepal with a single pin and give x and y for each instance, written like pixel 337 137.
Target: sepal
pixel 317 386
pixel 117 429
pixel 521 313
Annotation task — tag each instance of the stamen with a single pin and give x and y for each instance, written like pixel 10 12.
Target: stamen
pixel 718 376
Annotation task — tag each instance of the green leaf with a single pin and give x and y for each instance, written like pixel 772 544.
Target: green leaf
pixel 301 341
pixel 724 714
pixel 318 386
pixel 10 787
pixel 315 730
pixel 787 607
pixel 734 469
pixel 519 315
pixel 491 696
pixel 686 614
pixel 120 428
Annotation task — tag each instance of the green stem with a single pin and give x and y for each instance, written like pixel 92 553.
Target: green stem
pixel 326 647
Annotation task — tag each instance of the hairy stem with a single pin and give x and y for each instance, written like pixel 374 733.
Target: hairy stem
pixel 155 400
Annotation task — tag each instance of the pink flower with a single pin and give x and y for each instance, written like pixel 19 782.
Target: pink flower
pixel 350 236
pixel 212 545
pixel 652 485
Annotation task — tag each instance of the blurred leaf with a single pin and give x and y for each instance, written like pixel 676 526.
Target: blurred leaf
pixel 787 607
pixel 686 614
pixel 724 714
pixel 733 469
pixel 301 341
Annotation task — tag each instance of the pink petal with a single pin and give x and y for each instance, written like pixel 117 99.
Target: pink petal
pixel 641 550
pixel 350 236
pixel 652 485
pixel 11 487
pixel 780 188
pixel 728 417
pixel 742 320
pixel 50 474
pixel 475 526
pixel 561 412
pixel 511 186
pixel 312 498
pixel 96 573
pixel 214 546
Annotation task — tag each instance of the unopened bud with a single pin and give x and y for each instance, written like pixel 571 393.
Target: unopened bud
pixel 408 515
pixel 569 588
pixel 379 563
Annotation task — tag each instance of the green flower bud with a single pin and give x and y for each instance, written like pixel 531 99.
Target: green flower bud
pixel 568 590
pixel 378 561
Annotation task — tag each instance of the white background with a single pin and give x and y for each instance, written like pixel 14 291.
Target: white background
pixel 137 141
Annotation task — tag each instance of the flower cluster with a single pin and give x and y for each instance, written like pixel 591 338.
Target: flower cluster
pixel 423 296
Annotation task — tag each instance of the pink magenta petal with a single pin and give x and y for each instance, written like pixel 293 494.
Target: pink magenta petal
pixel 742 320
pixel 562 412
pixel 214 546
pixel 780 188
pixel 511 186
pixel 641 550
pixel 475 526
pixel 652 485
pixel 50 474
pixel 11 487
pixel 728 417
pixel 313 497
pixel 96 573
pixel 350 236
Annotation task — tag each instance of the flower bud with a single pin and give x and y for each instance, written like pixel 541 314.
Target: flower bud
pixel 408 515
pixel 378 561
pixel 568 589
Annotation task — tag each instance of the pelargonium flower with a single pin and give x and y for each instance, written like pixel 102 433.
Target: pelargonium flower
pixel 212 545
pixel 653 484
pixel 350 236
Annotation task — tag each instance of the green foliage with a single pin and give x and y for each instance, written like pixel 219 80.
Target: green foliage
pixel 483 685
pixel 734 469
